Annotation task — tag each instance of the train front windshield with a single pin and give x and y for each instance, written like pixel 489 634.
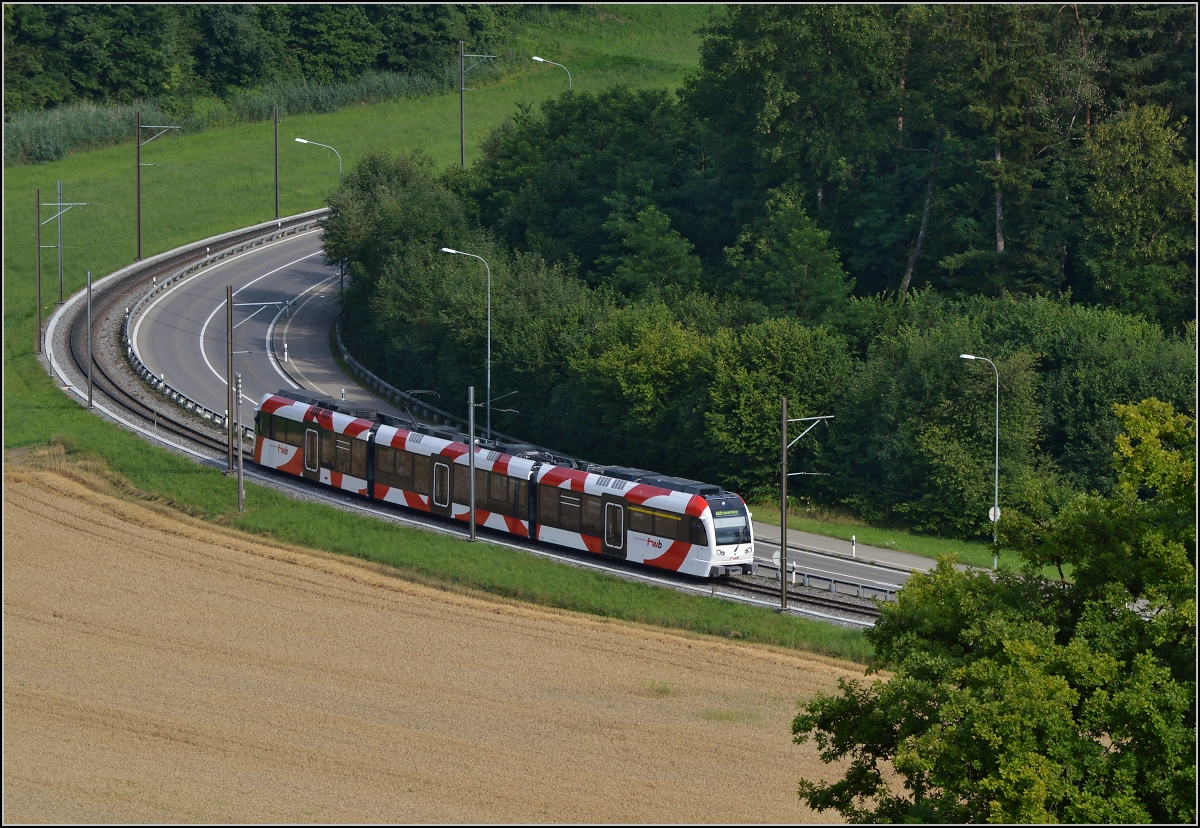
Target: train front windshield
pixel 730 520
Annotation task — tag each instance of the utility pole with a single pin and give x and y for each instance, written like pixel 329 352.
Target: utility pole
pixel 462 107
pixel 471 452
pixel 89 348
pixel 37 224
pixel 139 142
pixel 37 238
pixel 275 111
pixel 241 485
pixel 62 207
pixel 462 104
pixel 60 246
pixel 229 370
pixel 783 527
pixel 784 445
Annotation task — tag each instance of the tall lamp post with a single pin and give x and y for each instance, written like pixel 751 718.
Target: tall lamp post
pixel 489 333
pixel 560 66
pixel 995 513
pixel 326 146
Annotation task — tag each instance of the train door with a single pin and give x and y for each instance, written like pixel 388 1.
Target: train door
pixel 312 454
pixel 439 502
pixel 613 538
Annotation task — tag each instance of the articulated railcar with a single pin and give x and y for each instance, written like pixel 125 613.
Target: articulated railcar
pixel 631 514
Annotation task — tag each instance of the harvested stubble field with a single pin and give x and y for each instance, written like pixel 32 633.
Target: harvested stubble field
pixel 157 668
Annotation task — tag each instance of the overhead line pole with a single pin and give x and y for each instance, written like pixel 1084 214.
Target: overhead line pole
pixel 37 258
pixel 229 370
pixel 462 107
pixel 89 336
pixel 462 101
pixel 60 244
pixel 783 527
pixel 138 142
pixel 241 494
pixel 471 452
pixel 784 445
pixel 137 136
pixel 37 223
pixel 275 111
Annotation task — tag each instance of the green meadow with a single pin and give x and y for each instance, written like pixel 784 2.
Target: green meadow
pixel 223 179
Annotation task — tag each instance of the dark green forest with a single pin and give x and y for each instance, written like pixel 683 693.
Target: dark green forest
pixel 173 52
pixel 838 204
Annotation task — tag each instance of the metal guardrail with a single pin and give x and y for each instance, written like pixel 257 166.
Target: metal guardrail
pixel 306 222
pixel 857 588
pixel 394 394
pixel 418 406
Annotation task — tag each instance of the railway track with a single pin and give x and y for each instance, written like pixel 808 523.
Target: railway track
pixel 158 415
pixel 116 387
pixel 113 380
pixel 850 605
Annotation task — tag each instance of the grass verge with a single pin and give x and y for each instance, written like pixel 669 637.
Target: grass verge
pixel 147 472
pixel 822 522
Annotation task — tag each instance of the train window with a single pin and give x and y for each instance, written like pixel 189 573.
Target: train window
pixel 640 520
pixel 548 505
pixel 328 455
pixel 421 472
pixel 591 514
pixel 341 457
pixel 699 534
pixel 278 429
pixel 295 434
pixel 358 459
pixel 519 509
pixel 498 488
pixel 385 460
pixel 667 526
pixel 569 507
pixel 404 464
pixel 462 485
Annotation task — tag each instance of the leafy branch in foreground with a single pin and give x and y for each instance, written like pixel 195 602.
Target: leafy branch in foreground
pixel 1015 699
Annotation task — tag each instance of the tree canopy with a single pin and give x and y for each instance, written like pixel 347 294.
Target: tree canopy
pixel 64 53
pixel 1016 699
pixel 839 202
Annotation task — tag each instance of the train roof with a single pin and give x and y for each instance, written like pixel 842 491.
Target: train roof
pixel 662 481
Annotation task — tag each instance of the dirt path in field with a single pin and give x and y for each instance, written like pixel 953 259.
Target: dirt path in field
pixel 160 669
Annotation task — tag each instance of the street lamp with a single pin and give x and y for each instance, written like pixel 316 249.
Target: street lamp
pixel 326 146
pixel 995 513
pixel 560 66
pixel 489 333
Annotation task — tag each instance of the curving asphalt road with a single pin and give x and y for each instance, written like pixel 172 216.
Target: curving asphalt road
pixel 182 334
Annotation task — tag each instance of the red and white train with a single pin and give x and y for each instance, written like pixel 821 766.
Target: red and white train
pixel 631 514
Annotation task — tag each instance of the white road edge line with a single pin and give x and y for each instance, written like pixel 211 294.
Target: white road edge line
pixel 271 336
pixel 221 304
